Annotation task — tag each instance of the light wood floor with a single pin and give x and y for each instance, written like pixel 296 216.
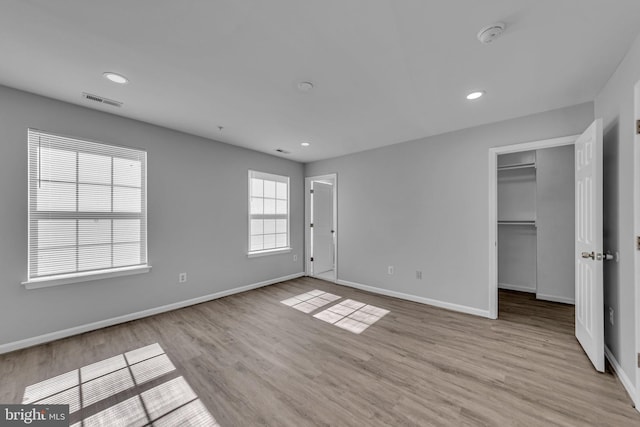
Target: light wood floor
pixel 254 361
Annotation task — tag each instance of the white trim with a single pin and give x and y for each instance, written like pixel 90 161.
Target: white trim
pixel 518 288
pixel 52 336
pixel 493 206
pixel 636 216
pixel 622 376
pixel 268 252
pixel 414 298
pixel 555 298
pixel 65 279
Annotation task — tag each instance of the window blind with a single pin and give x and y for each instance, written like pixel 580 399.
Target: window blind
pixel 268 212
pixel 87 206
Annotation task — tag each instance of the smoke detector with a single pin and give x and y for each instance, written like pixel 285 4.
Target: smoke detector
pixel 490 33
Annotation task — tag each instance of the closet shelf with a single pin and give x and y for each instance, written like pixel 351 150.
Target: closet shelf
pixel 517 166
pixel 519 222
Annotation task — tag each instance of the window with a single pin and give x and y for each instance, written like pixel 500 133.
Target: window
pixel 87 208
pixel 268 212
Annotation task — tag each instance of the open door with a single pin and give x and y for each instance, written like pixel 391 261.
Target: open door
pixel 323 230
pixel 589 242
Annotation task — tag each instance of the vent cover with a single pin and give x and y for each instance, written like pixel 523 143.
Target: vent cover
pixel 280 150
pixel 101 100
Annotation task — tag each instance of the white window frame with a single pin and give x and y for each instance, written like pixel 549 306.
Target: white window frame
pixel 82 276
pixel 276 178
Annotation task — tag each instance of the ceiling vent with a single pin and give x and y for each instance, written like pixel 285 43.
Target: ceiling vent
pixel 280 150
pixel 101 100
pixel 490 33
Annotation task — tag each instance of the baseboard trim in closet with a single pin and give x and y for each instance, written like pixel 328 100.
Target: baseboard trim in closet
pixel 554 298
pixel 415 298
pixel 76 330
pixel 622 376
pixel 518 288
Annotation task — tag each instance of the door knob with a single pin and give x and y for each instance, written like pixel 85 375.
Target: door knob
pixel 591 255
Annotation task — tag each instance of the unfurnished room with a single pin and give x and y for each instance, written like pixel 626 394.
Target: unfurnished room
pixel 320 213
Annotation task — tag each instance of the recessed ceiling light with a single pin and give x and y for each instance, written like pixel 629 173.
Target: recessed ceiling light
pixel 115 77
pixel 475 95
pixel 305 86
pixel 305 144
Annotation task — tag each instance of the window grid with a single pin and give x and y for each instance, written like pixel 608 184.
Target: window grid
pixel 268 212
pixel 50 216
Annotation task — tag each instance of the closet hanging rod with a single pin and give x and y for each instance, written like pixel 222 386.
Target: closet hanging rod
pixel 517 166
pixel 517 223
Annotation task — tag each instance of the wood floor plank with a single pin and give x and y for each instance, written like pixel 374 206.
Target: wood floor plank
pixel 254 361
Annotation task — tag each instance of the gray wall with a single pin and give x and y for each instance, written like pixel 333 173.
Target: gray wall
pixel 555 213
pixel 422 205
pixel 197 210
pixel 615 105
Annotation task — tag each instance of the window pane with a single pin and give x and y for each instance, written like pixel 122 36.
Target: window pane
pixel 94 198
pixel 269 206
pixel 281 226
pixel 56 196
pixel 56 261
pixel 126 254
pixel 281 240
pixel 94 257
pixel 94 168
pixel 127 199
pixel 256 243
pixel 269 241
pixel 56 165
pixel 269 226
pixel 126 230
pixel 281 190
pixel 52 233
pixel 256 187
pixel 257 206
pixel 270 189
pixel 281 207
pixel 127 172
pixel 94 231
pixel 256 227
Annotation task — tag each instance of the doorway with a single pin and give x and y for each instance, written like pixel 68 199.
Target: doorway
pixel 321 227
pixel 588 253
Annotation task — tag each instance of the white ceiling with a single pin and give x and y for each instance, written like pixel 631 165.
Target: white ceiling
pixel 385 71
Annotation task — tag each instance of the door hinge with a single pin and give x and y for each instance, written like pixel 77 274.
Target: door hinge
pixel 311 191
pixel 638 360
pixel 311 259
pixel 638 243
pixel 311 225
pixel 637 127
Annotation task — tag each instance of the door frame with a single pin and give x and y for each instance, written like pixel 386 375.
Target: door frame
pixel 636 226
pixel 493 205
pixel 308 268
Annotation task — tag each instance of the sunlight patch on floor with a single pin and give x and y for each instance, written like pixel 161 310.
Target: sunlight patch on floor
pixel 310 301
pixel 352 315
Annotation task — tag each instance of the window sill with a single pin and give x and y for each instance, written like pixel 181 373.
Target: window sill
pixel 66 279
pixel 268 252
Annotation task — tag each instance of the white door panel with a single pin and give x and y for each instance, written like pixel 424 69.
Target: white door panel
pixel 589 241
pixel 323 230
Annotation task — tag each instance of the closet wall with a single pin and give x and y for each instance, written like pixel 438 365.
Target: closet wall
pixel 536 223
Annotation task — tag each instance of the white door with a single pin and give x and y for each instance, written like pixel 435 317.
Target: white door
pixel 589 289
pixel 322 230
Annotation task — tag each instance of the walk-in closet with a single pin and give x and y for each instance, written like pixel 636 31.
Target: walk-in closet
pixel 536 223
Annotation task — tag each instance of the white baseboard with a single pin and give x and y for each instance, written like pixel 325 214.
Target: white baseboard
pixel 624 379
pixel 30 342
pixel 556 298
pixel 414 298
pixel 518 288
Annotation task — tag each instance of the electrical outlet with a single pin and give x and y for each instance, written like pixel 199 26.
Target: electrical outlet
pixel 418 274
pixel 390 270
pixel 611 315
pixel 295 257
pixel 182 278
